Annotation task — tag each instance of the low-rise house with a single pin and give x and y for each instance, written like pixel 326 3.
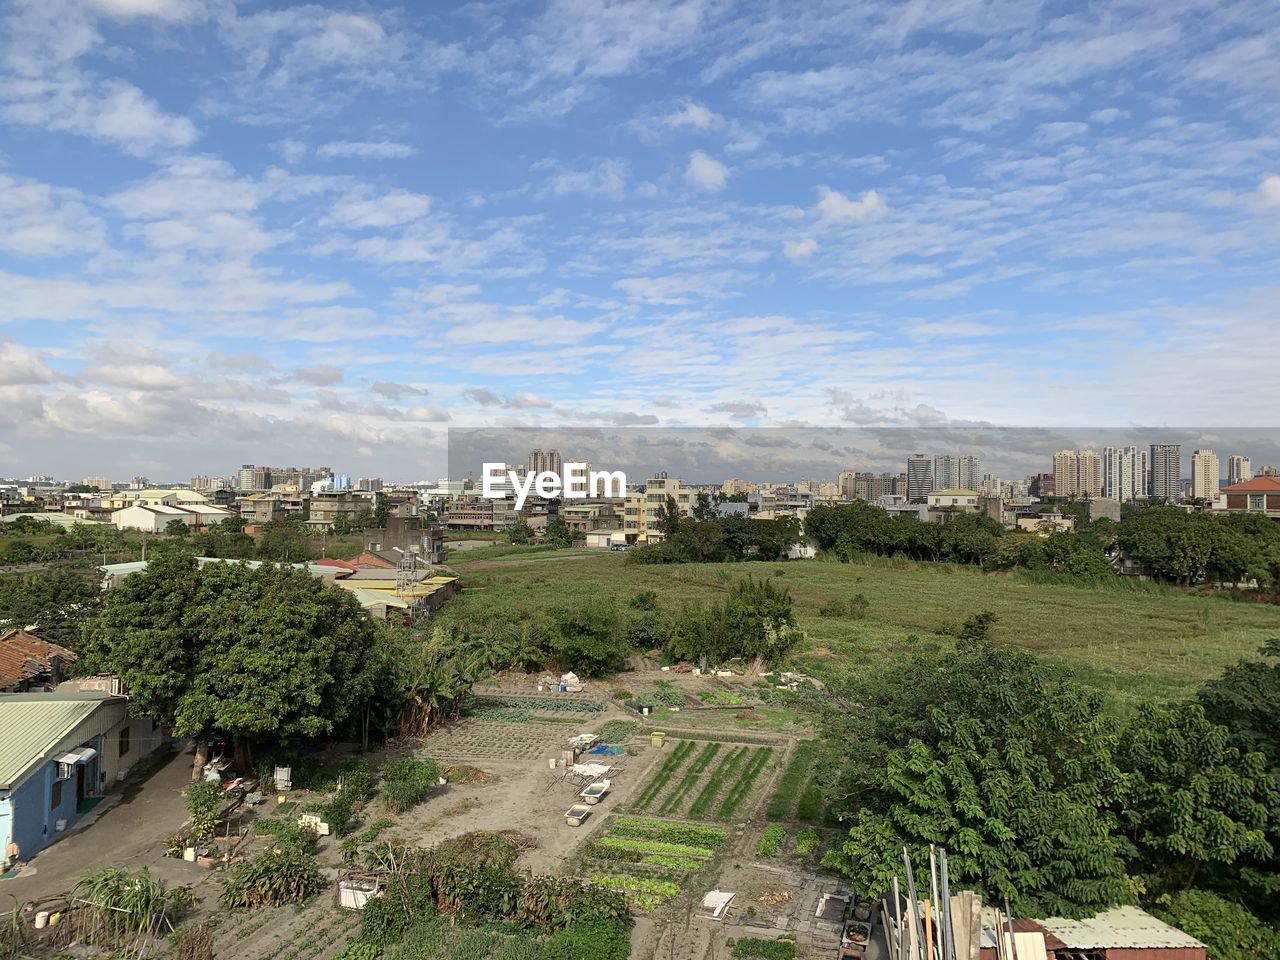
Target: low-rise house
pixel 28 662
pixel 60 753
pixel 1261 495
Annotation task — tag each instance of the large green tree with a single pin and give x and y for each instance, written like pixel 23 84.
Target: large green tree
pixel 53 602
pixel 265 656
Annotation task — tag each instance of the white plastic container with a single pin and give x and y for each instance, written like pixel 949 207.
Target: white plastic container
pixel 42 919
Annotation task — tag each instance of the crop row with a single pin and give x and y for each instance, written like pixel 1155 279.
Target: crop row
pixel 771 840
pixel 723 774
pixel 675 800
pixel 640 891
pixel 746 781
pixel 551 704
pixel 792 781
pixel 694 835
pixel 637 845
pixel 670 765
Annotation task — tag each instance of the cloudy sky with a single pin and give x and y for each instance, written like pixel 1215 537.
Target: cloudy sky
pixel 328 232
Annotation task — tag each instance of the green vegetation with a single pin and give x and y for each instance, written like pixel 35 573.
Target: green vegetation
pixel 764 949
pixel 275 877
pixel 687 833
pixel 675 799
pixel 1229 930
pixel 617 731
pixel 270 654
pixel 771 840
pixel 55 602
pixel 597 940
pixel 406 783
pixel 792 780
pixel 745 782
pixel 653 846
pixel 723 773
pixel 204 802
pixel 640 892
pixel 807 843
pixel 658 782
pixel 122 906
pixel 551 704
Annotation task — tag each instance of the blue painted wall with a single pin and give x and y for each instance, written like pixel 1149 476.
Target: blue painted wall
pixel 32 820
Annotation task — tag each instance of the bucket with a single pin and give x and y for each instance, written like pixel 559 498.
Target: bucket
pixel 42 919
pixel 657 738
pixel 551 763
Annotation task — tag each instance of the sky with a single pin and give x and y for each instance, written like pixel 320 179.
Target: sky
pixel 329 232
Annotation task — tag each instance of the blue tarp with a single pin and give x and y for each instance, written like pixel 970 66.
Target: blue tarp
pixel 609 751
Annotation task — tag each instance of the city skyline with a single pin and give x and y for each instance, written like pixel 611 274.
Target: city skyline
pixel 240 233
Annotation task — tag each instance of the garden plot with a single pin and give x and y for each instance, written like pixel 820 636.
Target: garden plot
pixel 709 780
pixel 485 740
pixel 649 860
pixel 286 933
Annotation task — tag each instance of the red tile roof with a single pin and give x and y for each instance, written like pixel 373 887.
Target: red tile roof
pixel 1256 485
pixel 24 656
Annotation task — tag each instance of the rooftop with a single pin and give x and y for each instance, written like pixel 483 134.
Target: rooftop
pixel 35 724
pixel 1256 485
pixel 1127 927
pixel 23 655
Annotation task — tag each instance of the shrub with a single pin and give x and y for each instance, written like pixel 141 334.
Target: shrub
pixel 273 878
pixel 602 940
pixel 406 782
pixel 204 801
pixel 1229 930
pixel 289 835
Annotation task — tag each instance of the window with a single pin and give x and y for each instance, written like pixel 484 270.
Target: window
pixel 56 800
pixel 124 741
pixel 1256 501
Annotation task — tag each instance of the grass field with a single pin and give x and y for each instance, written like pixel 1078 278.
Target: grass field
pixel 1131 640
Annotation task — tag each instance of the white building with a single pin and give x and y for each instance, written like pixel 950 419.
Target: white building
pixel 970 473
pixel 1206 475
pixel 1239 469
pixel 154 518
pixel 1166 471
pixel 1124 473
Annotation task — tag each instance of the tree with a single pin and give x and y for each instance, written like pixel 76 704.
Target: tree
pixel 756 621
pixel 587 640
pixel 705 508
pixel 53 602
pixel 1246 700
pixel 381 510
pixel 994 754
pixel 1188 798
pixel 1228 929
pixel 264 656
pixel 668 517
pixel 558 533
pixel 176 528
pixel 521 532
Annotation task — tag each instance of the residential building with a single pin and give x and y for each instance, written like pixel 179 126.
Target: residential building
pixel 970 473
pixel 479 513
pixel 28 662
pixel 1206 475
pixel 870 486
pixel 919 476
pixel 640 511
pixel 1077 473
pixel 1046 524
pixel 325 507
pixel 954 501
pixel 946 472
pixel 1260 495
pixel 1124 473
pixel 1239 469
pixel 547 461
pixel 98 483
pixel 371 484
pixel 846 484
pixel 253 477
pixel 59 751
pixel 1041 485
pixel 1166 472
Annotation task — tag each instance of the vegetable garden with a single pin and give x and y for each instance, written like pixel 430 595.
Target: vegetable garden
pixel 703 781
pixel 648 860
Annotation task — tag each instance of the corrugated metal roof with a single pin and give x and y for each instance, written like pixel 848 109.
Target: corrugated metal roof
pixel 35 724
pixel 1118 927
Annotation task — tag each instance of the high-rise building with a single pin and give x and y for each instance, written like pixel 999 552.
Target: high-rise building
pixel 1166 471
pixel 991 485
pixel 370 484
pixel 1124 473
pixel 970 473
pixel 545 461
pixel 870 486
pixel 98 483
pixel 946 472
pixel 1239 469
pixel 1206 475
pixel 846 485
pixel 1077 473
pixel 919 476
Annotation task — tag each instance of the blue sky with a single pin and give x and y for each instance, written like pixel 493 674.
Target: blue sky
pixel 329 232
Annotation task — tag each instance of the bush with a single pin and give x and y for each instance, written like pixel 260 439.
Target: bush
pixel 602 940
pixel 406 783
pixel 587 641
pixel 204 801
pixel 288 835
pixel 272 879
pixel 1229 930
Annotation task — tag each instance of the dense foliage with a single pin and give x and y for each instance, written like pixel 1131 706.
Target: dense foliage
pixel 755 621
pixel 707 538
pixel 1036 792
pixel 263 655
pixel 54 602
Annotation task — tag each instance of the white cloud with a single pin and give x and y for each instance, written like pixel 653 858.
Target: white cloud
pixel 693 116
pixel 22 365
pixel 176 10
pixel 706 172
pixel 836 207
pixel 135 376
pixel 388 210
pixel 799 251
pixel 366 150
pixel 1269 190
pixel 606 178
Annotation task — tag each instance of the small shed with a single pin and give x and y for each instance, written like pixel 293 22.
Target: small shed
pixel 1121 933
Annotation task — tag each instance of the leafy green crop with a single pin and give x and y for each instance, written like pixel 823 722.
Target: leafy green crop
pixel 793 780
pixel 771 840
pixel 688 833
pixel 653 846
pixel 745 782
pixel 676 798
pixel 670 765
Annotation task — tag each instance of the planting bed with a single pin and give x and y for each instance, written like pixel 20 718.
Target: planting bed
pixel 649 859
pixel 793 782
pixel 706 780
pixel 484 740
